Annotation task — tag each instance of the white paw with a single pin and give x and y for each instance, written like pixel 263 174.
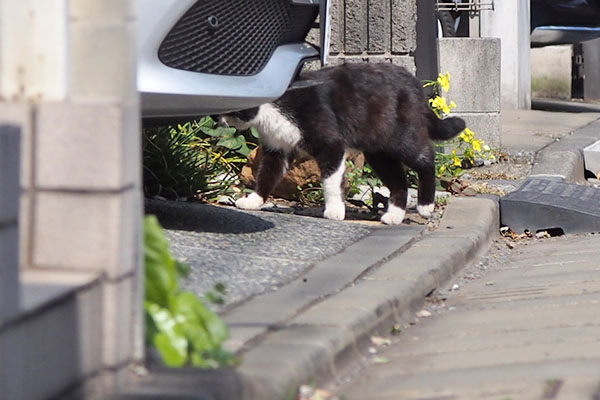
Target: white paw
pixel 425 210
pixel 335 211
pixel 393 216
pixel 251 202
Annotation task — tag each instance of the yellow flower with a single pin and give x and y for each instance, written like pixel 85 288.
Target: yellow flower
pixel 476 145
pixel 455 160
pixel 467 135
pixel 442 169
pixel 439 103
pixel 444 81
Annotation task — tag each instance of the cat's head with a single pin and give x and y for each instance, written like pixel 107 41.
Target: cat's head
pixel 242 119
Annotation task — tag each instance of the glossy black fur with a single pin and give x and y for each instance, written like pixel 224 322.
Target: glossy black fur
pixel 377 108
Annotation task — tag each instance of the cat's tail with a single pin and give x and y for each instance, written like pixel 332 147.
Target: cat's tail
pixel 444 129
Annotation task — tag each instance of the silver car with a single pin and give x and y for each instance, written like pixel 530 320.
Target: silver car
pixel 200 57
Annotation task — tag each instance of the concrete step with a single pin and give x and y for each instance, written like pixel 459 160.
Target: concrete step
pixel 53 341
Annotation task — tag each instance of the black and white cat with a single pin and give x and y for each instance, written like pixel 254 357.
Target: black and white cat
pixel 379 109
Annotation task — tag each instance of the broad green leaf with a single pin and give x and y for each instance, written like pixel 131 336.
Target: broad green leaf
pixel 161 279
pixel 170 340
pixel 229 142
pixel 194 311
pixel 172 354
pixel 218 131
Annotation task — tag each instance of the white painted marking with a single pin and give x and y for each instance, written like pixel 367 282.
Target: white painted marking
pixel 251 202
pixel 425 210
pixel 332 191
pixel 394 215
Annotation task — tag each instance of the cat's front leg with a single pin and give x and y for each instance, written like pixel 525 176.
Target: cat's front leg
pixel 333 193
pixel 251 202
pixel 272 166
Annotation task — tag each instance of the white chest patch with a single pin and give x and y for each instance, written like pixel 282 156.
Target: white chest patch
pixel 276 130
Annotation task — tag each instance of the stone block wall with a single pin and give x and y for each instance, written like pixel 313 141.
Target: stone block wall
pixel 374 31
pixel 70 86
pixel 474 66
pixel 9 211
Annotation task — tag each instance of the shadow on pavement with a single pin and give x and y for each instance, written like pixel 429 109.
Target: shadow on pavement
pixel 204 218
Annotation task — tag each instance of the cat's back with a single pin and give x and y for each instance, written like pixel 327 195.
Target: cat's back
pixel 365 77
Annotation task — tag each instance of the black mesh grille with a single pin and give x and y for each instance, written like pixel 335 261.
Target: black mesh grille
pixel 234 37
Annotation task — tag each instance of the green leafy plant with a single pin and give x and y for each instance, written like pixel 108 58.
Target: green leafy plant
pixel 358 178
pixel 195 159
pixel 178 324
pixel 311 194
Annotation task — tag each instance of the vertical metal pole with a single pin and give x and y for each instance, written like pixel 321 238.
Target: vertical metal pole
pixel 426 53
pixel 577 72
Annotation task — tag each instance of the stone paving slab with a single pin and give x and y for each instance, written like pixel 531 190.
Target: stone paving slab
pixel 511 338
pixel 522 381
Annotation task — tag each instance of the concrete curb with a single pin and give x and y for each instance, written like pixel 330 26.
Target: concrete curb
pixel 310 346
pixel 564 159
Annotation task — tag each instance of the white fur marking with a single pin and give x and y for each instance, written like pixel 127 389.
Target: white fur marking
pixel 394 215
pixel 425 210
pixel 276 130
pixel 251 202
pixel 229 120
pixel 332 191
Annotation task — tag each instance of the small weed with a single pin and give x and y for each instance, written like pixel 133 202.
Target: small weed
pixel 359 178
pixel 311 194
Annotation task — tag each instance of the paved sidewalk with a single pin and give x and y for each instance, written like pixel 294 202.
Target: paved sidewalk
pixel 307 329
pixel 528 328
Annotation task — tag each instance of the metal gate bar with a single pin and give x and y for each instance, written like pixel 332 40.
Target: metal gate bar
pixel 465 5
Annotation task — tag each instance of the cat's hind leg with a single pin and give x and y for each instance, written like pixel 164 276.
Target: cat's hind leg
pixel 272 166
pixel 424 165
pixel 390 170
pixel 333 166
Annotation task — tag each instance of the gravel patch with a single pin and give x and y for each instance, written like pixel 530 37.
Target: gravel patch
pixel 249 252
